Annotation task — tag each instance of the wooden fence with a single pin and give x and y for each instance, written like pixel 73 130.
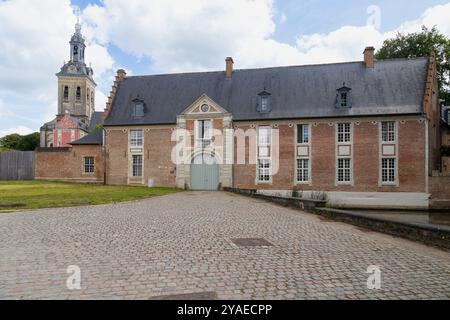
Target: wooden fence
pixel 17 165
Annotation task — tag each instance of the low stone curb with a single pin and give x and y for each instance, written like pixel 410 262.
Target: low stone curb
pixel 438 236
pixel 433 235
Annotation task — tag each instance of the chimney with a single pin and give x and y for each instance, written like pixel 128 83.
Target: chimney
pixel 121 74
pixel 368 57
pixel 229 67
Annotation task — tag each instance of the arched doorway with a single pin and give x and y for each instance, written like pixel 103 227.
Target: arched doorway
pixel 204 172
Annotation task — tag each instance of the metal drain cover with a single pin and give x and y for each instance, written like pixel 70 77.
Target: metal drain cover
pixel 211 295
pixel 252 242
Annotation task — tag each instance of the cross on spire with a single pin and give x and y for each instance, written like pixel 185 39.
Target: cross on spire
pixel 77 25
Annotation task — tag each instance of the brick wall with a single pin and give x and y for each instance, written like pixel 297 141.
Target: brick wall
pixel 67 164
pixel 156 155
pixel 411 159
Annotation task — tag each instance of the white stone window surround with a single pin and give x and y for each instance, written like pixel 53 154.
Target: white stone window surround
pixel 344 150
pixel 388 149
pixel 136 138
pixel 137 169
pixel 302 152
pixel 264 162
pixel 136 142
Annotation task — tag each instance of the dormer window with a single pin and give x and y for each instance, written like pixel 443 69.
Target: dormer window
pixel 264 102
pixel 138 108
pixel 343 97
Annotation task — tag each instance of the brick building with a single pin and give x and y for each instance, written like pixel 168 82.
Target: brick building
pixel 365 134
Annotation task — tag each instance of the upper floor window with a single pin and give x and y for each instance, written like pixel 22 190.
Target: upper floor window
pixel 88 97
pixel 136 139
pixel 264 102
pixel 344 132
pixel 66 93
pixel 92 97
pixel 344 97
pixel 204 132
pixel 78 93
pixel 303 133
pixel 388 131
pixel 264 135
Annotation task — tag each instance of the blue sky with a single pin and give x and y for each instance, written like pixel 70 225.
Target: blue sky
pixel 308 17
pixel 159 36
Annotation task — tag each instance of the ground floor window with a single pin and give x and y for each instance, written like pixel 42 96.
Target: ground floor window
pixel 344 170
pixel 263 170
pixel 89 164
pixel 388 167
pixel 137 165
pixel 302 170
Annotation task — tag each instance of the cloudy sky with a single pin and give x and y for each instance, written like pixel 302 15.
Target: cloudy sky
pixel 159 36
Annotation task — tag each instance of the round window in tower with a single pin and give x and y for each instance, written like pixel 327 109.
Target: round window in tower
pixel 204 108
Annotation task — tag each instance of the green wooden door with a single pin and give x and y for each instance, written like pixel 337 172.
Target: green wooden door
pixel 204 173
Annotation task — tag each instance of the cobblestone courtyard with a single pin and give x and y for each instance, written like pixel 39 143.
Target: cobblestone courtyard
pixel 182 243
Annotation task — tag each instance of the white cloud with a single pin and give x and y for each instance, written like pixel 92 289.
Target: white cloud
pixel 197 35
pixel 22 130
pixel 175 35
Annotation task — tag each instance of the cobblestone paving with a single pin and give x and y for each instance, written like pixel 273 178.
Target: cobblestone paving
pixel 181 243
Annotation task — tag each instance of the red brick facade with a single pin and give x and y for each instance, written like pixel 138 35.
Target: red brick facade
pixel 366 158
pixel 157 163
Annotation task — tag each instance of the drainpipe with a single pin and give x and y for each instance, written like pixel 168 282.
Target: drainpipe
pixel 104 155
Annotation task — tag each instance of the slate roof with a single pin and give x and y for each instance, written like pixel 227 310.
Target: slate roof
pixel 392 87
pixel 96 119
pixel 93 138
pixel 95 135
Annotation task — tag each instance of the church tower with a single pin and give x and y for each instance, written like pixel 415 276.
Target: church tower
pixel 76 87
pixel 76 114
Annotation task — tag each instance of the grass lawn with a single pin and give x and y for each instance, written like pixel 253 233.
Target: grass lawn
pixel 45 194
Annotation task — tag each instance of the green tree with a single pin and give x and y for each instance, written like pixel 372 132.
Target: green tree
pixel 10 141
pixel 420 44
pixel 29 142
pixel 17 142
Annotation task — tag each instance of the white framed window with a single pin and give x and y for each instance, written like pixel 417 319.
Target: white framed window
pixel 388 170
pixel 264 170
pixel 264 135
pixel 388 131
pixel 264 165
pixel 344 170
pixel 72 134
pixel 303 133
pixel 136 139
pixel 203 132
pixel 137 165
pixel 264 103
pixel 89 164
pixel 302 170
pixel 344 132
